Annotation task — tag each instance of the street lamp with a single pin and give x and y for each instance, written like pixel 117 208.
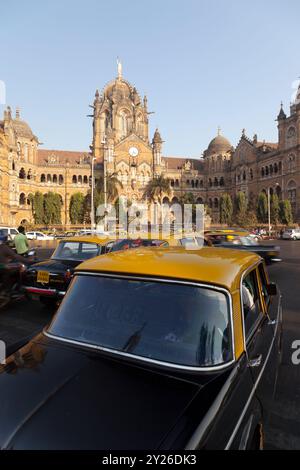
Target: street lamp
pixel 92 196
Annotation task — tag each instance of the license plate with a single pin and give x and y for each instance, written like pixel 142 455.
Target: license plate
pixel 43 277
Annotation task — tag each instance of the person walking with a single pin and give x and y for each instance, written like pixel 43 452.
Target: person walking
pixel 21 242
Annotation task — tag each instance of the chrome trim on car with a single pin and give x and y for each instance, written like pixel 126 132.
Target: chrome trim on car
pixel 145 359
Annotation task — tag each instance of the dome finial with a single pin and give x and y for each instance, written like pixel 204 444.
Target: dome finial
pixel 219 130
pixel 17 112
pixel 119 66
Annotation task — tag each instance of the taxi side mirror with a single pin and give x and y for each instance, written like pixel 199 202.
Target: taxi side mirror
pixel 272 289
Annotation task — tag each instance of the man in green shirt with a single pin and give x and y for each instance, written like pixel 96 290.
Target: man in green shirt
pixel 21 242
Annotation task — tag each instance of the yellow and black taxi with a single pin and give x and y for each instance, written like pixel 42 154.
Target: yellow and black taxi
pixel 50 279
pixel 155 348
pixel 243 241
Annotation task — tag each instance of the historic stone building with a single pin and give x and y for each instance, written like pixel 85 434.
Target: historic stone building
pixel 121 145
pixel 25 169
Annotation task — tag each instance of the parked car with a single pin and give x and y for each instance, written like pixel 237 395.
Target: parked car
pixel 39 236
pixel 270 253
pixel 9 232
pixel 50 279
pixel 183 345
pixel 291 234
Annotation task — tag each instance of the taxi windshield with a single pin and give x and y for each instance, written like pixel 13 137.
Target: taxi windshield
pixel 167 322
pixel 77 251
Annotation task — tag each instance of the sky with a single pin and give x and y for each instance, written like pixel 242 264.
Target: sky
pixel 202 64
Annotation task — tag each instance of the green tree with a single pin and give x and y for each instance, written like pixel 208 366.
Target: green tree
pixel 187 198
pixel 98 200
pixel 226 209
pixel 240 213
pixel 157 189
pixel 285 212
pixel 262 208
pixel 113 187
pixel 37 206
pixel 52 208
pixel 274 209
pixel 76 209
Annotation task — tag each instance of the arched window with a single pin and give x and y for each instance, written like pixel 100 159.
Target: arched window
pixel 187 182
pixel 13 166
pixel 85 179
pixel 74 179
pixel 210 182
pixel 210 203
pixel 278 191
pixel 275 168
pixel 193 183
pixel 267 171
pixel 199 200
pixel 49 178
pixel 177 183
pixel 172 183
pixel 262 172
pixel 29 175
pixel 292 192
pixel 244 175
pixel 222 183
pixel 80 179
pixel 201 184
pixel 197 183
pixel 251 174
pixel 216 182
pixel 216 203
pixel 279 166
pixel 22 174
pixel 60 179
pixel 271 169
pixel 54 179
pixel 22 199
pixel 43 178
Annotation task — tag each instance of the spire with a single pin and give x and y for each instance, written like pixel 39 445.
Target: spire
pixel 97 94
pixel 219 130
pixel 17 113
pixel 119 66
pixel 281 116
pixel 157 137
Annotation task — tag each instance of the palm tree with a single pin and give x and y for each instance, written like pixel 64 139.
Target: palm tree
pixel 113 186
pixel 157 189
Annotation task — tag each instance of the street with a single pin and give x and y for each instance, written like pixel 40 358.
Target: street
pixel 24 318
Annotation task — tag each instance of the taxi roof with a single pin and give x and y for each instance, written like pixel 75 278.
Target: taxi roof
pixel 87 239
pixel 218 266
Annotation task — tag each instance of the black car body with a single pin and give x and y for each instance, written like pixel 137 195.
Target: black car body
pixel 50 279
pixel 141 386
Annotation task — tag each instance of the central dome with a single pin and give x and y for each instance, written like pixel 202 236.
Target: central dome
pixel 218 146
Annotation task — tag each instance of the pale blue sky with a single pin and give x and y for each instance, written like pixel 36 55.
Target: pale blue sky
pixel 202 63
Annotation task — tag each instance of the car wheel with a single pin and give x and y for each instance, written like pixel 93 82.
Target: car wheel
pixel 294 238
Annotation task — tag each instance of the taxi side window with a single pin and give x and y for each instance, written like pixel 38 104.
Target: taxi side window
pixel 264 284
pixel 252 309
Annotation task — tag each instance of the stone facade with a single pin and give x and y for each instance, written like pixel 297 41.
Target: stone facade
pixel 121 146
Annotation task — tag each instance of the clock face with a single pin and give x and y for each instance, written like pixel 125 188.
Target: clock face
pixel 133 151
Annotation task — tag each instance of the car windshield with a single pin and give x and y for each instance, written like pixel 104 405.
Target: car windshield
pixel 168 322
pixel 77 251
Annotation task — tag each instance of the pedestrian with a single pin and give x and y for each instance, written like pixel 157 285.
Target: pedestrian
pixel 21 242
